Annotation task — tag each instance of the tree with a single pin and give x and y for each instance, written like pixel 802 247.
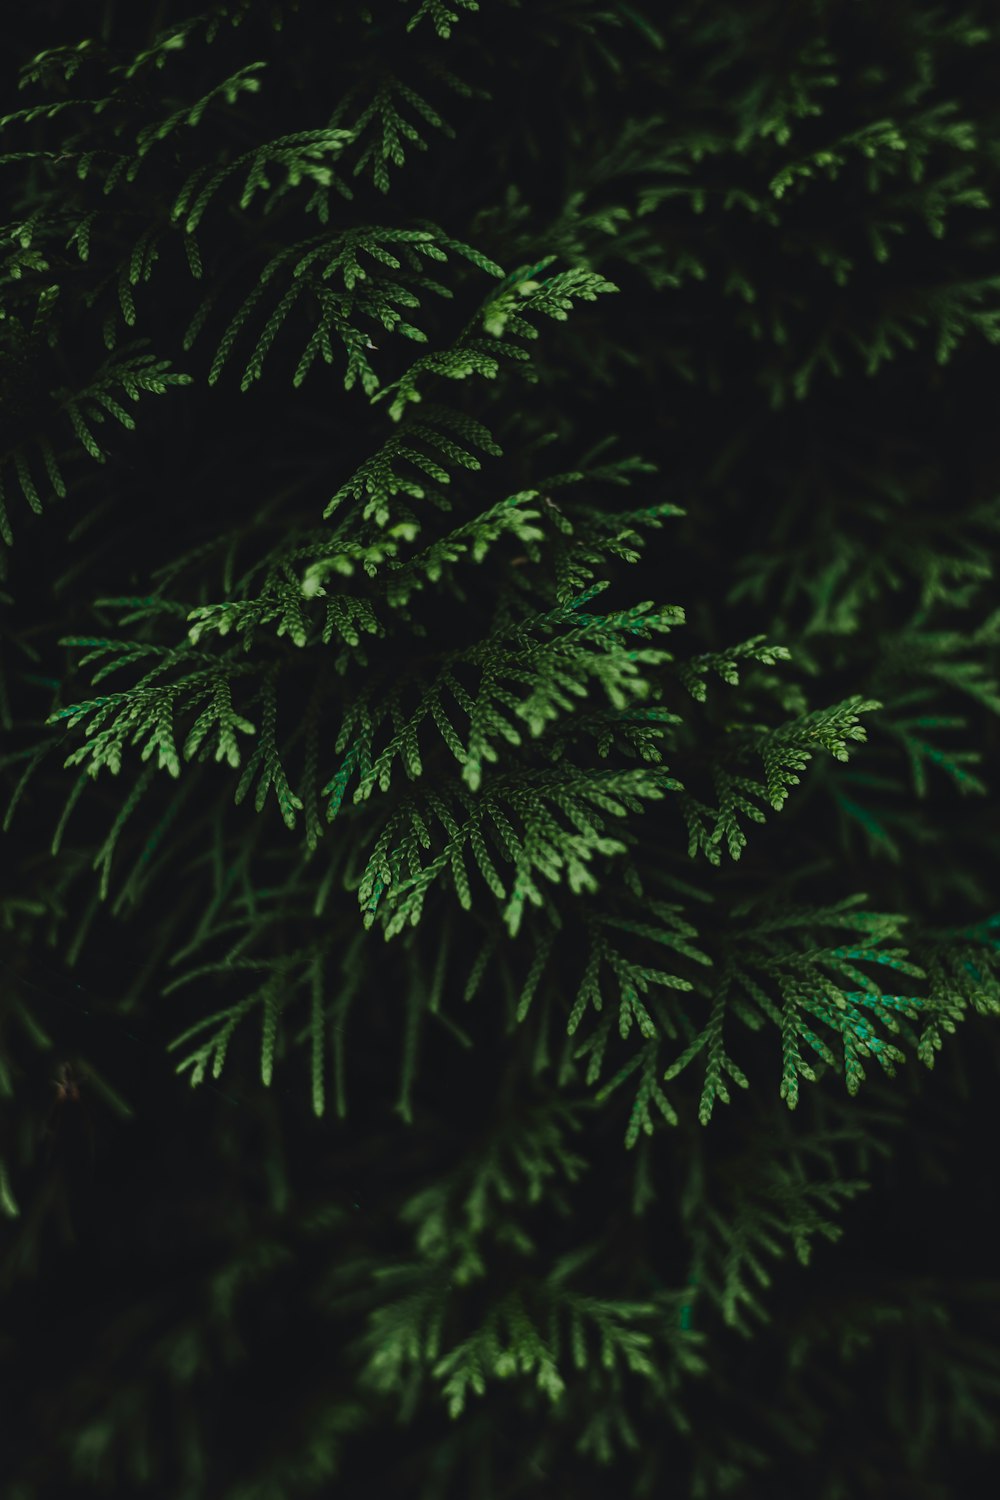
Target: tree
pixel 499 689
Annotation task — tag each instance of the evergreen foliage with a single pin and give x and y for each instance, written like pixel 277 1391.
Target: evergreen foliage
pixel 500 942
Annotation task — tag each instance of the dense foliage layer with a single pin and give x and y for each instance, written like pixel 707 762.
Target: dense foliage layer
pixel 499 685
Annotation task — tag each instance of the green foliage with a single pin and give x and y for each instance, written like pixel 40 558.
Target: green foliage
pixel 784 751
pixel 343 700
pixel 128 375
pixel 440 16
pixel 370 296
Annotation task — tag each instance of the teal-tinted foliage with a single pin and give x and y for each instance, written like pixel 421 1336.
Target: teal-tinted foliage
pixel 500 685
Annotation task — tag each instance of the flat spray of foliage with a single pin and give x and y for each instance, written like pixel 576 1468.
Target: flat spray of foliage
pixel 499 684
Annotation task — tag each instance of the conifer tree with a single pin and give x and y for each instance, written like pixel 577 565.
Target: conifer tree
pixel 499 686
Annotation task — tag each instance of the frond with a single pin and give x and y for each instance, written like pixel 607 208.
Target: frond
pixel 924 756
pixel 527 1161
pixel 403 465
pixel 543 845
pixel 646 1062
pixel 785 752
pixel 552 673
pixel 147 711
pixel 384 124
pixel 355 282
pixel 770 977
pixel 264 762
pixel 726 663
pixel 129 375
pixel 632 979
pixel 962 661
pixel 770 1208
pixel 243 81
pixel 504 313
pixel 441 16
